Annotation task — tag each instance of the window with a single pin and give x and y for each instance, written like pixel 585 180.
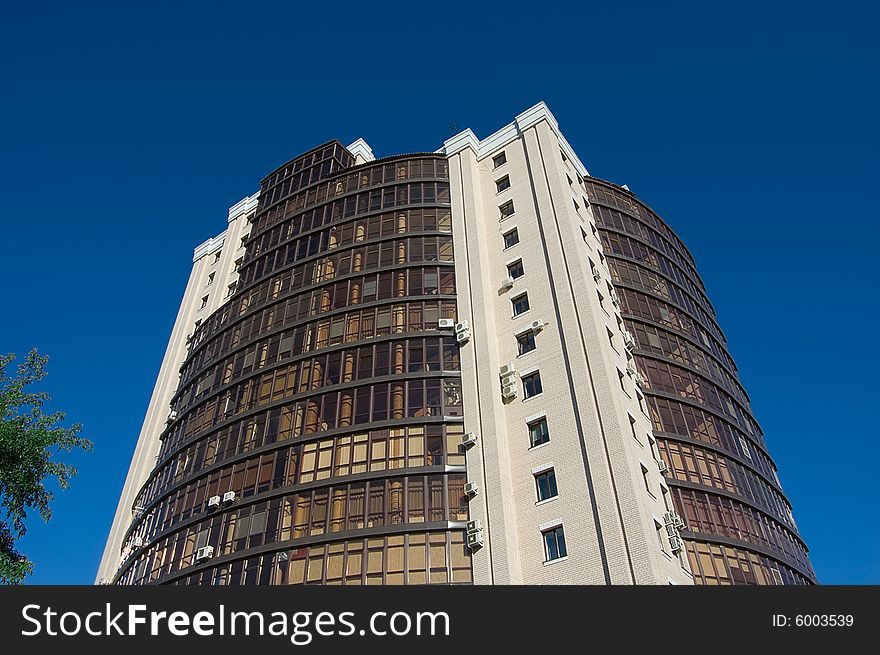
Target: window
pixel 526 342
pixel 511 238
pixel 238 263
pixel 217 256
pixel 538 432
pixel 645 479
pixel 499 160
pixel 554 544
pixel 515 269
pixel 244 239
pixel 545 483
pixel 204 302
pixel 230 289
pixel 210 279
pixel 503 184
pixel 506 209
pixel 520 304
pixel 577 207
pixel 532 385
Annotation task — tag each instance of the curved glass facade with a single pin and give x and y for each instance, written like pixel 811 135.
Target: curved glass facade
pixel 322 395
pixel 740 529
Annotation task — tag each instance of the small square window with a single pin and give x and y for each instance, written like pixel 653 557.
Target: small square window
pixel 532 385
pixel 511 238
pixel 506 209
pixel 554 544
pixel 538 432
pixel 503 184
pixel 545 484
pixel 520 304
pixel 515 269
pixel 499 160
pixel 526 342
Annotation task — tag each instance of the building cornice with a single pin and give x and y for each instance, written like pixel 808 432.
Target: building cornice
pixel 509 133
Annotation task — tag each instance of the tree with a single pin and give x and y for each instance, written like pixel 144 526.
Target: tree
pixel 30 442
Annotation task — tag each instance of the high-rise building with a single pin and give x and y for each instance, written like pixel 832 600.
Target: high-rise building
pixel 477 365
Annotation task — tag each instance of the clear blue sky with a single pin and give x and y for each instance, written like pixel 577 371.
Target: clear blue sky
pixel 126 133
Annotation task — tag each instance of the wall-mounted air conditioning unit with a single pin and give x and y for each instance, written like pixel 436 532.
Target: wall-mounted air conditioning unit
pixel 639 380
pixel 629 340
pixel 474 525
pixel 228 497
pixel 471 489
pixel 205 552
pixel 507 370
pixel 631 369
pixel 597 274
pixel 468 440
pixel 661 466
pixel 537 326
pixel 615 299
pixel 509 391
pixel 507 283
pixel 446 324
pixel 475 540
pixel 214 502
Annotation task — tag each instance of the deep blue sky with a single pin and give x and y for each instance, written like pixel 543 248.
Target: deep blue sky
pixel 126 134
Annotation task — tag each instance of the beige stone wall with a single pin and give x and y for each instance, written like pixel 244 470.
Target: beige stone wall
pixel 216 256
pixel 603 501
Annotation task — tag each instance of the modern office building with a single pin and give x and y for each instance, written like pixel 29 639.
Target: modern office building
pixel 479 365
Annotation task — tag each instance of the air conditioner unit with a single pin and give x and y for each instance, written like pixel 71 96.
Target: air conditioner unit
pixel 507 283
pixel 228 497
pixel 509 391
pixel 462 337
pixel 475 540
pixel 661 466
pixel 474 525
pixel 597 274
pixel 615 299
pixel 446 324
pixel 214 501
pixel 205 552
pixel 537 326
pixel 629 340
pixel 679 522
pixel 639 380
pixel 471 489
pixel 463 326
pixel 137 542
pixel 508 369
pixel 676 544
pixel 630 369
pixel 468 440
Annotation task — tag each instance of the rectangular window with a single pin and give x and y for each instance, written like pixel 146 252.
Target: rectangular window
pixel 545 483
pixel 499 160
pixel 515 270
pixel 506 209
pixel 532 385
pixel 554 544
pixel 503 184
pixel 210 279
pixel 526 342
pixel 204 302
pixel 511 238
pixel 520 304
pixel 538 432
pixel 645 479
pixel 230 289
